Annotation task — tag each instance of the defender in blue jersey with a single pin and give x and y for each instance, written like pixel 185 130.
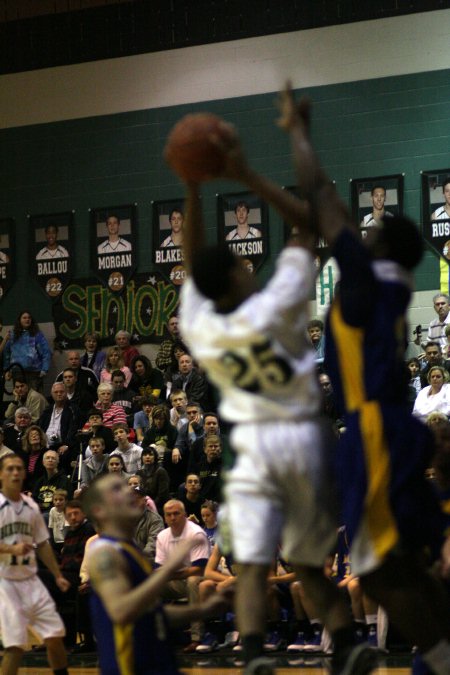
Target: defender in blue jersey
pixel 388 507
pixel 130 624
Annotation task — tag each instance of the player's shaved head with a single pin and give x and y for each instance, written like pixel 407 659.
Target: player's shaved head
pixel 93 496
pixel 222 277
pixel 399 240
pixel 211 266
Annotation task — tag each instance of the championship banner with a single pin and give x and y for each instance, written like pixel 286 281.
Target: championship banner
pixel 51 251
pixel 113 245
pixel 86 306
pixel 7 255
pixel 375 198
pixel 436 213
pixel 242 218
pixel 168 222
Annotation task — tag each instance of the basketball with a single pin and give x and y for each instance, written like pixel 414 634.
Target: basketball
pixel 189 151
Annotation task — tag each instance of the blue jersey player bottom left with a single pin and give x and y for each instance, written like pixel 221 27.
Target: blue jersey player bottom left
pixel 130 625
pixel 140 647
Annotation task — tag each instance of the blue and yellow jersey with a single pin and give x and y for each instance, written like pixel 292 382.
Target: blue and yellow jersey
pixel 382 457
pixel 140 647
pixel 365 332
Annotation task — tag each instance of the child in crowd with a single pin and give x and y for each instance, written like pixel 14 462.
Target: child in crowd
pixel 94 428
pixel 414 370
pixel 134 482
pixel 96 463
pixel 57 523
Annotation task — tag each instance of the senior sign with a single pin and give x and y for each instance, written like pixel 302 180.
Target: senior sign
pixel 86 306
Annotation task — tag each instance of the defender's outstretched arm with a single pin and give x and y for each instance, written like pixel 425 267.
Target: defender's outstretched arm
pixel 328 209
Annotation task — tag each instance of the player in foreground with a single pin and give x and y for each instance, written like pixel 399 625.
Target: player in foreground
pixel 388 507
pixel 129 622
pixel 254 348
pixel 24 600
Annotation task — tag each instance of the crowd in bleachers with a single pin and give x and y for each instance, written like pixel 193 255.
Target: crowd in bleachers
pixel 158 427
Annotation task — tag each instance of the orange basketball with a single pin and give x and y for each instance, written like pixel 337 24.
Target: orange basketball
pixel 189 151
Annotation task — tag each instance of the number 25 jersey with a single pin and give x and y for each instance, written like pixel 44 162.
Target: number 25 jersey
pixel 258 355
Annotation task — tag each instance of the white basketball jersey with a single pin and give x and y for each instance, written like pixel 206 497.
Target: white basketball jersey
pixel 20 522
pixel 258 355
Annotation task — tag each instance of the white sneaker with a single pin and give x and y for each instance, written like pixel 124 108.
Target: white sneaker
pixel 231 639
pixel 298 644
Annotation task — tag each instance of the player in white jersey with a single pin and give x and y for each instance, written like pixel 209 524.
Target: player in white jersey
pixel 24 601
pixel 254 348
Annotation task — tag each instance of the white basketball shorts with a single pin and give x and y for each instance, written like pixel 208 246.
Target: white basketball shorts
pixel 27 605
pixel 280 491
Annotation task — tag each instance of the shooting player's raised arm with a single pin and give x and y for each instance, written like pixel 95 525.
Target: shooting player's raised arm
pixel 293 210
pixel 194 229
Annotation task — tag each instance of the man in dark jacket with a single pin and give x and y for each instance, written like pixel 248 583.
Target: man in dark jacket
pixel 209 469
pixel 73 610
pixel 60 422
pixel 190 380
pixel 94 428
pixel 13 433
pixel 176 461
pixel 54 479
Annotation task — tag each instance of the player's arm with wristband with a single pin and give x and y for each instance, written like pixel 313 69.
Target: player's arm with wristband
pixel 194 229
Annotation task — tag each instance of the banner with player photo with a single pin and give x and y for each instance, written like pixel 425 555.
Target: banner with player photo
pixel 7 255
pixel 375 198
pixel 168 221
pixel 113 245
pixel 86 306
pixel 436 211
pixel 51 251
pixel 242 219
pixel 322 248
